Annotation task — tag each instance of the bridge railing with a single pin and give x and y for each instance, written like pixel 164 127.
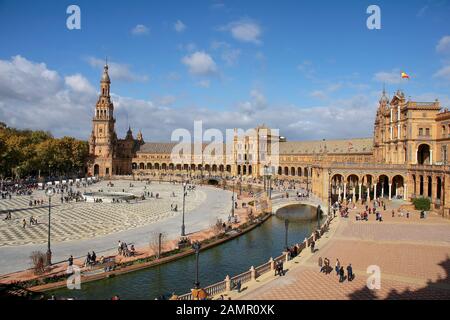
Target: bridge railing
pixel 254 273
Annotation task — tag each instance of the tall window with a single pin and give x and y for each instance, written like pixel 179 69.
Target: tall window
pixel 427 132
pixel 444 154
pixel 420 132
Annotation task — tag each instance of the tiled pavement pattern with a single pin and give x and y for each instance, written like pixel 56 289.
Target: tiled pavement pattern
pixel 76 221
pixel 413 255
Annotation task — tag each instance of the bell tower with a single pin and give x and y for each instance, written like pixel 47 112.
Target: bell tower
pixel 103 138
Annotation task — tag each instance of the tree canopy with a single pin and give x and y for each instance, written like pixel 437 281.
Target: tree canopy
pixel 26 153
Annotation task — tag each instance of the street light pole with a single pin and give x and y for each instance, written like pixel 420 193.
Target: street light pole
pixel 330 192
pixel 286 225
pixel 49 193
pixel 232 202
pixel 307 181
pixel 319 209
pixel 196 246
pixel 183 228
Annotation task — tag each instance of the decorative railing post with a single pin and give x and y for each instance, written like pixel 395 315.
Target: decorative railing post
pixel 227 283
pixel 287 255
pixel 272 264
pixel 253 273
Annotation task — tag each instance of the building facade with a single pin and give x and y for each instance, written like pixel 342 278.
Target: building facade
pixel 407 156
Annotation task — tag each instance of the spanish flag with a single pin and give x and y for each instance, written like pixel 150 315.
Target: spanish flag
pixel 405 76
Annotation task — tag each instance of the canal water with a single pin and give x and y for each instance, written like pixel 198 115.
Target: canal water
pixel 236 256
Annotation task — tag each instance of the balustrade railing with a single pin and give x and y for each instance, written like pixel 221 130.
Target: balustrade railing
pixel 247 276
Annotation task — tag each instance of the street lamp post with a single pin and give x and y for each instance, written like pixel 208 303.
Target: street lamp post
pixel 50 194
pixel 196 246
pixel 232 202
pixel 183 228
pixel 286 226
pixel 307 181
pixel 319 210
pixel 330 192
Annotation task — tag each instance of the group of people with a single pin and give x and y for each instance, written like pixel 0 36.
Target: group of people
pixel 401 214
pixel 279 268
pixel 123 249
pixel 91 259
pixel 326 268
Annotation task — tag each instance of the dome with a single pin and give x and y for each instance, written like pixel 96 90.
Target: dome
pixel 105 76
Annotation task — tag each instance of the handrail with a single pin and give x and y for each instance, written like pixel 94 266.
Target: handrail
pixel 246 276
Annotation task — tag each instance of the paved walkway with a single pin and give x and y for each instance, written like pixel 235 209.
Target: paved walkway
pixel 413 255
pixel 81 227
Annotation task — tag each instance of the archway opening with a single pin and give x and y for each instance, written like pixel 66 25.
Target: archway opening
pixel 423 154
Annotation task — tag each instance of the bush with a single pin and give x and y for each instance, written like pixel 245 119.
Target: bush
pixel 38 262
pixel 422 203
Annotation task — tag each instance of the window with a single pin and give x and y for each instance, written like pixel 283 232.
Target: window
pixel 420 132
pixel 427 130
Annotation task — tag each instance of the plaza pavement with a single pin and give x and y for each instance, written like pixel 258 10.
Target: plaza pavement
pixel 413 255
pixel 81 227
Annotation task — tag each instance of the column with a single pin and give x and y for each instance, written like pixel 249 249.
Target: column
pixel 390 191
pixel 339 197
pixel 416 162
pixel 431 156
pixel 368 193
pixel 405 192
pixel 354 195
pixel 425 186
pixel 360 188
pixel 345 190
pixel 382 190
pixel 398 121
pixel 375 192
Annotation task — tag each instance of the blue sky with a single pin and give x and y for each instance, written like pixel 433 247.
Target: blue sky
pixel 309 68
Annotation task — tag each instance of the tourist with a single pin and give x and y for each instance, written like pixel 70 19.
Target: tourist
pixel 24 223
pixel 238 286
pixel 88 260
pixel 93 257
pixel 70 260
pixel 119 248
pixel 350 272
pixel 320 264
pixel 313 243
pixel 341 274
pixel 337 267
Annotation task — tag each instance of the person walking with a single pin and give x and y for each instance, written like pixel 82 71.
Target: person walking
pixel 337 267
pixel 341 274
pixel 350 272
pixel 24 223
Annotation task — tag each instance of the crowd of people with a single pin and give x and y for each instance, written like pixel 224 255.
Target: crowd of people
pixel 326 268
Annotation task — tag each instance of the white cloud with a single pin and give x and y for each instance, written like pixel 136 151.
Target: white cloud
pixel 444 45
pixel 118 71
pixel 140 30
pixel 179 26
pixel 166 100
pixel 443 73
pixel 229 54
pixel 204 83
pixel 422 11
pixel 33 96
pixel 189 47
pixel 388 77
pixel 79 84
pixel 200 63
pixel 244 30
